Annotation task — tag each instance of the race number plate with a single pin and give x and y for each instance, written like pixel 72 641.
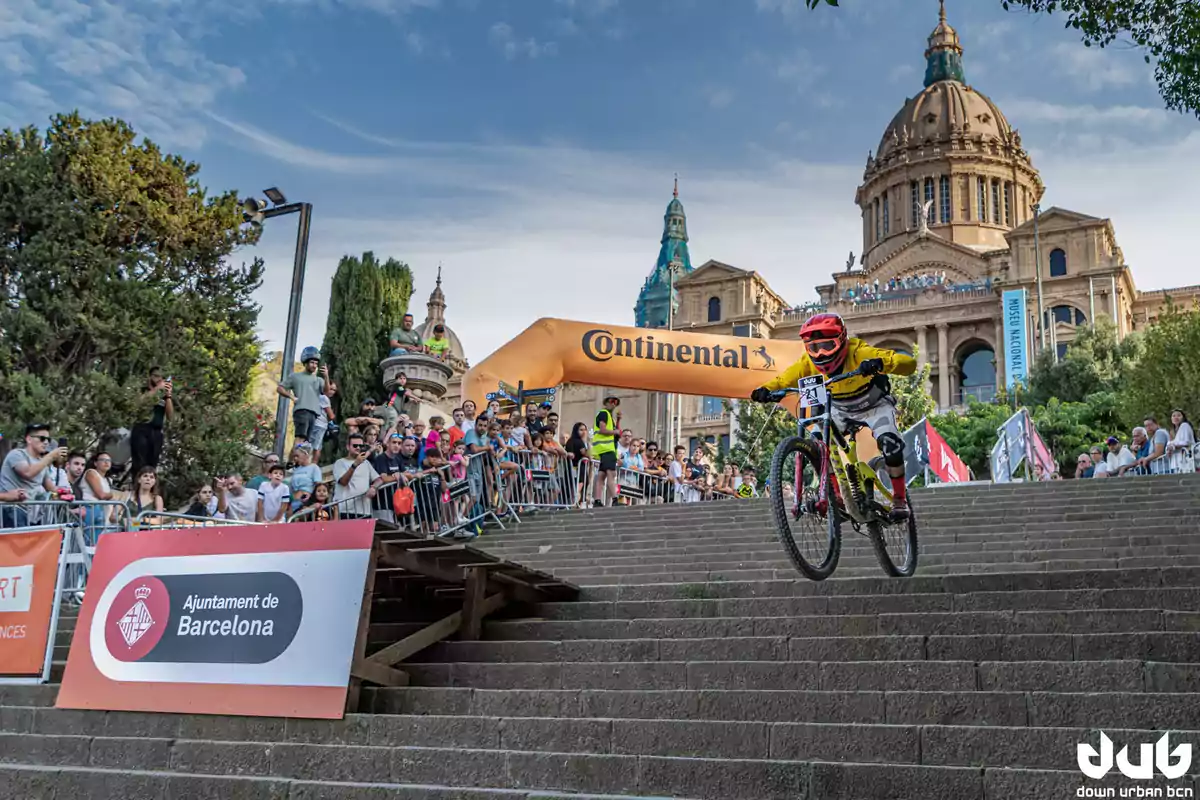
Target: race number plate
pixel 812 391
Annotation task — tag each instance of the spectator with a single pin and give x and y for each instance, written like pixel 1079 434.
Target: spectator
pixel 305 474
pixel 727 482
pixel 372 441
pixel 437 344
pixel 146 438
pixel 356 481
pixel 1117 459
pixel 676 473
pixel 418 430
pixel 269 461
pixel 424 485
pixel 96 489
pixel 235 501
pixel 662 491
pixel 1140 446
pixel 1099 463
pixel 632 458
pixel 24 474
pixel 145 496
pixel 437 426
pixel 577 452
pixel 1183 439
pixel 457 431
pixel 1158 439
pixel 318 508
pixel 437 463
pixel 304 388
pixel 550 425
pixel 533 423
pixel 499 436
pixel 519 432
pixel 398 403
pixel 468 421
pixel 273 498
pixel 404 339
pixel 1084 467
pixel 366 416
pixel 493 410
pixel 696 475
pixel 458 473
pixel 203 504
pixel 324 423
pixel 66 477
pixel 604 450
pixel 388 465
pixel 623 443
pixel 478 450
pixel 748 488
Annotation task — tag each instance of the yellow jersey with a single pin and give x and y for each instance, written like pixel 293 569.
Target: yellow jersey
pixel 854 388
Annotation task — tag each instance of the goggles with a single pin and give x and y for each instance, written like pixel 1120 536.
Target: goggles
pixel 821 345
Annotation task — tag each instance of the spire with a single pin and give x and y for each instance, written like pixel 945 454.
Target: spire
pixel 943 58
pixel 676 192
pixel 655 297
pixel 436 307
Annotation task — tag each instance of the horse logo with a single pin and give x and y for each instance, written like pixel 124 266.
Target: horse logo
pixel 768 362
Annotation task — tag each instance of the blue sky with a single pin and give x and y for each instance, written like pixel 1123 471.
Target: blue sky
pixel 529 145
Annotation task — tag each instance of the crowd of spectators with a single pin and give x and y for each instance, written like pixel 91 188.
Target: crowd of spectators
pixel 909 284
pixel 1151 450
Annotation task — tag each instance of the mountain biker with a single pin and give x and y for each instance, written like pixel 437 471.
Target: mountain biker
pixel 865 399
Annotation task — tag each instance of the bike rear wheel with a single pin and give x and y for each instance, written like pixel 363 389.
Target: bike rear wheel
pixel 896 545
pixel 813 542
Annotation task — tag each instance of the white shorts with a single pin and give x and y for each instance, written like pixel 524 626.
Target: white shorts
pixel 880 417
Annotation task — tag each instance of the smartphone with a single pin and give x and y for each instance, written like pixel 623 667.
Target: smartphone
pixel 62 441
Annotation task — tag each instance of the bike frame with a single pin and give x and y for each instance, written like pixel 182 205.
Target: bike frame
pixel 840 456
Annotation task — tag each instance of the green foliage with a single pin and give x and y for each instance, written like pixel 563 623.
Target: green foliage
pixel 972 432
pixel 913 400
pixel 113 260
pixel 1167 31
pixel 1070 428
pixel 1167 375
pixel 1095 362
pixel 366 300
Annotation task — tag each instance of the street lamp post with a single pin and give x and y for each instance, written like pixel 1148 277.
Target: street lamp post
pixel 674 423
pixel 255 211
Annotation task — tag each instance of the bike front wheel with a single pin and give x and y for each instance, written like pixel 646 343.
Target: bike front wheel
pixel 813 541
pixel 896 545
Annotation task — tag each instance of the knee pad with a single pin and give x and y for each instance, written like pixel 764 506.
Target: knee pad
pixel 892 447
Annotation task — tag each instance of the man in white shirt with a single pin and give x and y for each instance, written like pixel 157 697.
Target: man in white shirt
pixel 355 480
pixel 274 497
pixel 468 418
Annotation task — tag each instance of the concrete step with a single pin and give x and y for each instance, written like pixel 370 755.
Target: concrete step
pixel 966 676
pixel 1152 710
pixel 1165 646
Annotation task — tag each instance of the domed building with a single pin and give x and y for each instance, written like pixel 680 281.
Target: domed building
pixel 951 231
pixel 652 309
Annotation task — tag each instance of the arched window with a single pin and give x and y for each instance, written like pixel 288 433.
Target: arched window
pixel 1008 198
pixel 1058 263
pixel 929 198
pixel 714 309
pixel 981 197
pixel 878 222
pixel 916 204
pixel 944 191
pixel 887 223
pixel 1069 314
pixel 995 201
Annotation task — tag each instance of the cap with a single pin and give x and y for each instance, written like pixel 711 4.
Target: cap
pixel 36 426
pixel 1112 440
pixel 368 401
pixel 304 446
pixel 547 404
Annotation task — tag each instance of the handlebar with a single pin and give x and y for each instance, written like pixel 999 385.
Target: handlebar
pixel 780 394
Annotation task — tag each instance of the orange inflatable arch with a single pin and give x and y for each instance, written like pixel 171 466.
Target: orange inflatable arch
pixel 554 351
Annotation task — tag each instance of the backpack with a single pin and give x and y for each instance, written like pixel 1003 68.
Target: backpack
pixel 403 501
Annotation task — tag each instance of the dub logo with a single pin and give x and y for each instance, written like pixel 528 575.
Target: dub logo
pixel 1098 764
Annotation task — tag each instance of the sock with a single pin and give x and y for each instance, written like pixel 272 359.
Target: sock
pixel 899 492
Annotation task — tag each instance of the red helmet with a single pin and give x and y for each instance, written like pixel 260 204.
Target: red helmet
pixel 826 341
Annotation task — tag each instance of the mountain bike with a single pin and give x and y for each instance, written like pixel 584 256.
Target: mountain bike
pixel 831 486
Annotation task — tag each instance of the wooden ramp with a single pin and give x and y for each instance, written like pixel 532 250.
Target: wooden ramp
pixel 412 578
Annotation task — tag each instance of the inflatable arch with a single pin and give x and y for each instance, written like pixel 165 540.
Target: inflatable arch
pixel 554 351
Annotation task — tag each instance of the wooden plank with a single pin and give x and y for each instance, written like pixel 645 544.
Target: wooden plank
pixel 441 548
pixel 354 690
pixel 431 634
pixel 367 670
pixel 472 622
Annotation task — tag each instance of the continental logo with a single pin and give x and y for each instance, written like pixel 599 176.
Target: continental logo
pixel 601 345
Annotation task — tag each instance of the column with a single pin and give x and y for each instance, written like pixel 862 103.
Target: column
pixel 999 355
pixel 943 366
pixel 922 355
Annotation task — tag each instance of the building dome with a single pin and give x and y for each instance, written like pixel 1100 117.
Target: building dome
pixel 436 315
pixel 943 110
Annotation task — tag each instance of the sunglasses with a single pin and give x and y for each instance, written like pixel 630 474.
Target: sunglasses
pixel 821 345
pixel 42 439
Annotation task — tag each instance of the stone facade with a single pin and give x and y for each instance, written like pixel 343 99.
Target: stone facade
pixel 950 220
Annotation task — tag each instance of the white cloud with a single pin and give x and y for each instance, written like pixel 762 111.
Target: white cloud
pixel 505 39
pixel 719 97
pixel 1094 69
pixel 1084 116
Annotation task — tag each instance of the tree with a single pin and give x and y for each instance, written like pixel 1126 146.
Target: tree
pixel 1071 428
pixel 366 300
pixel 1167 375
pixel 1167 31
pixel 972 432
pixel 113 260
pixel 1094 362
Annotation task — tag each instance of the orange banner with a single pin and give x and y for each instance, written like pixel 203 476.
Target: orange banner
pixel 554 351
pixel 28 574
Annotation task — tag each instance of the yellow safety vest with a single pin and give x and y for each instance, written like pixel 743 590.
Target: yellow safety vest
pixel 602 443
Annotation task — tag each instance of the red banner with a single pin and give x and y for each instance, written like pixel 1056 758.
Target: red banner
pixel 944 462
pixel 28 574
pixel 245 620
pixel 1044 464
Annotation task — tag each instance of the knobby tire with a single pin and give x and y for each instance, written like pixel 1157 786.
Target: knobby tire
pixel 908 567
pixel 810 460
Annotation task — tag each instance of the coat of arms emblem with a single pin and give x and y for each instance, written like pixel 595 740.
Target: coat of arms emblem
pixel 137 620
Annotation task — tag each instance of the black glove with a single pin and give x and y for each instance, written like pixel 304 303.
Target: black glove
pixel 872 366
pixel 762 395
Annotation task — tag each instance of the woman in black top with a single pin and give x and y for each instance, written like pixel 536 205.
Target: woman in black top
pixel 577 451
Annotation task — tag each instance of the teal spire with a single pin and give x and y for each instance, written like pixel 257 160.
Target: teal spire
pixel 943 58
pixel 652 303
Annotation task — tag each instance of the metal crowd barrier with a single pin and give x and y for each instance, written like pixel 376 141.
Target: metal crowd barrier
pixel 540 480
pixel 151 520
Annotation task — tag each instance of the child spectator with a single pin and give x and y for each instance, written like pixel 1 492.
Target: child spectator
pixel 273 497
pixel 437 344
pixel 437 426
pixel 305 474
pixel 317 507
pixel 748 488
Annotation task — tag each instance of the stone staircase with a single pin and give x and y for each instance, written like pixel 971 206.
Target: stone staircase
pixel 698 665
